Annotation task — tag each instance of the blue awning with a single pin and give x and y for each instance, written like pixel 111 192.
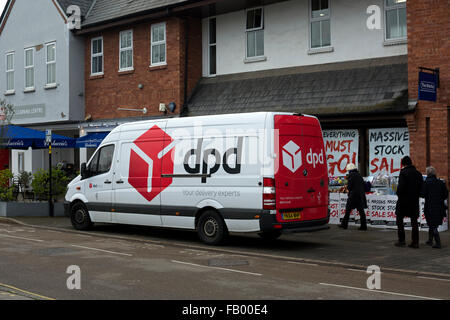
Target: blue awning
pixel 91 140
pixel 15 137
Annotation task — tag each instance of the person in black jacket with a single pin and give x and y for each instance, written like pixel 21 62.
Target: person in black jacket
pixel 356 197
pixel 408 191
pixel 435 192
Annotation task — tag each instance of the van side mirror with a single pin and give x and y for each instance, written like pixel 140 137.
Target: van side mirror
pixel 83 171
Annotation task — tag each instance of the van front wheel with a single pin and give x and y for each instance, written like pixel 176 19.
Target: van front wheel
pixel 79 216
pixel 211 228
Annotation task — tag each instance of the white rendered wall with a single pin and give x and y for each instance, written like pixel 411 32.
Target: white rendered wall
pixel 287 41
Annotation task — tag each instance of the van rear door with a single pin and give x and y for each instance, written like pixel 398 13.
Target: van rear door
pixel 301 178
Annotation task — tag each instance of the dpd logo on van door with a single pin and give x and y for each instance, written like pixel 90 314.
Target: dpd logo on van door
pixel 150 156
pixel 292 157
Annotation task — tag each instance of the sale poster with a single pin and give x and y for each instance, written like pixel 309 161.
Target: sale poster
pixel 341 148
pixel 387 147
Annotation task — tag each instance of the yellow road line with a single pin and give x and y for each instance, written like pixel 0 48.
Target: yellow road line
pixel 26 292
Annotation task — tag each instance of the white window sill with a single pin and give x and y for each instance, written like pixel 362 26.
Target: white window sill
pixel 28 90
pixel 10 92
pixel 97 74
pixel 255 59
pixel 320 50
pixel 162 64
pixel 126 70
pixel 50 86
pixel 395 42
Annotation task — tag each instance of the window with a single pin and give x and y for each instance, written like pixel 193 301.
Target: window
pixel 212 47
pixel 395 19
pixel 29 69
pixel 10 72
pixel 51 63
pixel 97 56
pixel 21 162
pixel 255 33
pixel 320 24
pixel 101 162
pixel 126 51
pixel 158 46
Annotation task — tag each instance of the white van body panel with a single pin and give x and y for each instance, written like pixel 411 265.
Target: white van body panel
pixel 165 171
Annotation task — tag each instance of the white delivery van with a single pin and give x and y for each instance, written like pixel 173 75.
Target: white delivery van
pixel 258 172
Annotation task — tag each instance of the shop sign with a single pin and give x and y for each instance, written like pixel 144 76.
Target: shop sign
pixel 341 147
pixel 387 147
pixel 428 84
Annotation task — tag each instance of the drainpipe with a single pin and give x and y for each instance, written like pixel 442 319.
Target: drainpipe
pixel 186 61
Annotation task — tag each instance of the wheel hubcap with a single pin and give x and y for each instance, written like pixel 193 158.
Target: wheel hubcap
pixel 211 226
pixel 79 216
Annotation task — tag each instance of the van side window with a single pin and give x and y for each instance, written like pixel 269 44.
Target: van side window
pixel 102 161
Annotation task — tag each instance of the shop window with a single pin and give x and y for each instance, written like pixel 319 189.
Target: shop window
pixel 395 18
pixel 255 33
pixel 320 24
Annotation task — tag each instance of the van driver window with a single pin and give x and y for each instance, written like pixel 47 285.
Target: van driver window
pixel 102 161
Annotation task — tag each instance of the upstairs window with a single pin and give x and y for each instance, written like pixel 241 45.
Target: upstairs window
pixel 51 63
pixel 97 56
pixel 126 51
pixel 10 72
pixel 29 69
pixel 255 33
pixel 212 47
pixel 395 19
pixel 158 44
pixel 320 24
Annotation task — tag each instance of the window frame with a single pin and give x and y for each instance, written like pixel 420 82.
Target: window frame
pixel 319 19
pixel 126 49
pixel 96 55
pixel 157 43
pixel 254 30
pixel 98 153
pixel 211 45
pixel 389 8
pixel 8 71
pixel 47 63
pixel 33 50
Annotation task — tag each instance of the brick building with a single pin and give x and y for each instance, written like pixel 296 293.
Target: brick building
pixel 429 46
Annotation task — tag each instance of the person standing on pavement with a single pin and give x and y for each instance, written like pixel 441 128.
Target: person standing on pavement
pixel 408 191
pixel 435 192
pixel 356 197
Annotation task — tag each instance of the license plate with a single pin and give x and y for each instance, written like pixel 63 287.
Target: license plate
pixel 291 215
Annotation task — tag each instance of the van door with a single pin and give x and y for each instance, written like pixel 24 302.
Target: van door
pixel 301 179
pixel 99 184
pixel 137 185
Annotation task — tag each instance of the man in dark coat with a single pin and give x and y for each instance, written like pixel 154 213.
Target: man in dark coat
pixel 356 197
pixel 408 192
pixel 435 192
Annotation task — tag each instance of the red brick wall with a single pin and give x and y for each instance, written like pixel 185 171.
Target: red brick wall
pixel 164 84
pixel 429 46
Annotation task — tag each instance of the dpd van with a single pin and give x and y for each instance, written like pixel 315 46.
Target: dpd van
pixel 258 172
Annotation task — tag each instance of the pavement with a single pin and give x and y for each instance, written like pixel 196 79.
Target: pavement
pixel 334 247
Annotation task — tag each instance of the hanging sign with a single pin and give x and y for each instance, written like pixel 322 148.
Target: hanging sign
pixel 428 84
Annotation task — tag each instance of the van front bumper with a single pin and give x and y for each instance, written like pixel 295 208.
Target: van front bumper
pixel 268 223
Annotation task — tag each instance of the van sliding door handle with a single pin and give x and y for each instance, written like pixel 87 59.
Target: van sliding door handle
pixel 108 182
pixel 119 181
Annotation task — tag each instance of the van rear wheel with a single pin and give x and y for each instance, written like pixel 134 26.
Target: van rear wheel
pixel 79 216
pixel 270 235
pixel 211 228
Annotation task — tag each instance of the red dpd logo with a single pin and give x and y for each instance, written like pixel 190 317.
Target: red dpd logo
pixel 146 169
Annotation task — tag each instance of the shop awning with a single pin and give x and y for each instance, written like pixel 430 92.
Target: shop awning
pixel 91 140
pixel 15 137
